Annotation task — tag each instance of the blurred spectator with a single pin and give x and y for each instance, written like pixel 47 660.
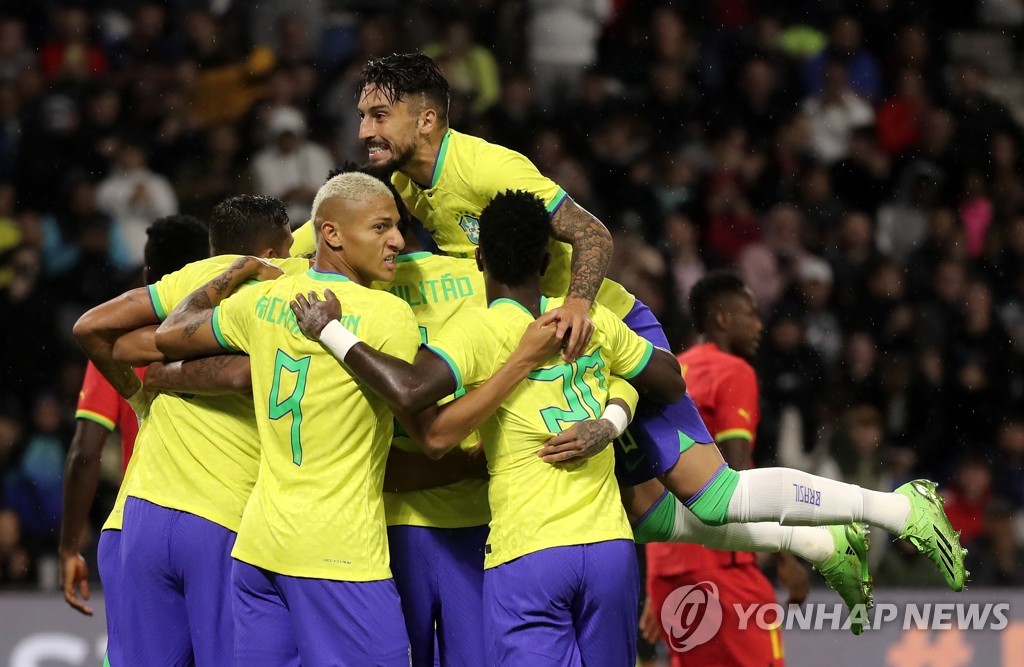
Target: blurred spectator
pixel 562 38
pixel 1008 463
pixel 14 560
pixel 975 209
pixel 514 120
pixel 845 46
pixel 71 55
pixel 149 41
pixel 834 113
pixel 978 115
pixel 792 376
pixel 15 55
pixel 767 266
pixel 684 260
pixel 812 296
pixel 863 175
pixel 859 381
pixel 289 167
pixel 218 173
pixel 134 196
pixel 901 116
pixel 903 221
pixel 968 498
pixel 852 254
pixel 858 448
pixel 819 203
pixel 226 73
pixel 469 67
pixel 33 487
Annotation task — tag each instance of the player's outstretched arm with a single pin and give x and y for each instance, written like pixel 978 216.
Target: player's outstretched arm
pixel 81 478
pixel 98 330
pixel 661 380
pixel 188 330
pixel 209 376
pixel 591 253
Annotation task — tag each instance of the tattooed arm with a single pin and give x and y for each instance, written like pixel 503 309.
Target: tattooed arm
pixel 591 253
pixel 188 330
pixel 98 330
pixel 209 376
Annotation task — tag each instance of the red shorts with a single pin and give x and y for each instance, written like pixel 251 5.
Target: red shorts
pixel 730 647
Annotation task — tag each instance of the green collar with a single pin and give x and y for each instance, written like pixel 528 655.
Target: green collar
pixel 439 162
pixel 328 276
pixel 543 304
pixel 414 256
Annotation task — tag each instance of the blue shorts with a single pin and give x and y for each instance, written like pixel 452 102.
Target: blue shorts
pixel 652 443
pixel 178 568
pixel 282 620
pixel 564 606
pixel 108 562
pixel 439 573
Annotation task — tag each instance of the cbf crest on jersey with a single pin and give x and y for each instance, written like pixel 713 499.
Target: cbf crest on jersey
pixel 471 225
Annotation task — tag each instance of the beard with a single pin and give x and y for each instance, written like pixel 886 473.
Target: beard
pixel 400 157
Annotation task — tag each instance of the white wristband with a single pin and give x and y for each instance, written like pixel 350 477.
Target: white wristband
pixel 338 339
pixel 617 416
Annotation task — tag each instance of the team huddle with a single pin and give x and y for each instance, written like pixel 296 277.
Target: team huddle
pixel 352 451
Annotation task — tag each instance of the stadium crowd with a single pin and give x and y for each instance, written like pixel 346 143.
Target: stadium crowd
pixel 862 182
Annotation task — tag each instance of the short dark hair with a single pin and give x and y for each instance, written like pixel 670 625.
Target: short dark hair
pixel 706 294
pixel 246 224
pixel 514 231
pixel 402 74
pixel 172 243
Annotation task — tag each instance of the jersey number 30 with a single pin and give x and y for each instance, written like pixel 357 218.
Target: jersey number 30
pixel 578 395
pixel 292 404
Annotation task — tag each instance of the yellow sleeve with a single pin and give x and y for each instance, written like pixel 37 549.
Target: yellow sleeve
pixel 233 318
pixel 303 240
pixel 403 339
pixel 624 391
pixel 499 169
pixel 166 292
pixel 469 353
pixel 628 352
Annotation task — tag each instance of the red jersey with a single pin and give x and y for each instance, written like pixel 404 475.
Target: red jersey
pixel 99 402
pixel 724 388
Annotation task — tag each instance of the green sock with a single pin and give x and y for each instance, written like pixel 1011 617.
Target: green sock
pixel 656 525
pixel 711 504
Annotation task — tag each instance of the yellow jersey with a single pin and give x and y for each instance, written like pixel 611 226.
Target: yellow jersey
pixel 436 287
pixel 195 454
pixel 317 508
pixel 468 173
pixel 535 505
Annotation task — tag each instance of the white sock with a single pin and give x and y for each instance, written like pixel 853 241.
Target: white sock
pixel 797 498
pixel 809 543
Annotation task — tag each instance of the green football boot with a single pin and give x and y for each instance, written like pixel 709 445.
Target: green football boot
pixel 929 530
pixel 846 571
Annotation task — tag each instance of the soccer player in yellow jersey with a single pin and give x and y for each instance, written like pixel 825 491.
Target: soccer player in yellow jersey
pixel 195 460
pixel 561 579
pixel 171 243
pixel 437 534
pixel 311 575
pixel 447 178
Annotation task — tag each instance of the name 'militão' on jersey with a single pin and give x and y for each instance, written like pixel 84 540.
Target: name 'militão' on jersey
pixel 317 508
pixel 195 454
pixel 436 287
pixel 535 505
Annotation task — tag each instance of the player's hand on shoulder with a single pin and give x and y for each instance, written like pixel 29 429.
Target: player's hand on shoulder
pixel 578 443
pixel 313 313
pixel 574 327
pixel 264 270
